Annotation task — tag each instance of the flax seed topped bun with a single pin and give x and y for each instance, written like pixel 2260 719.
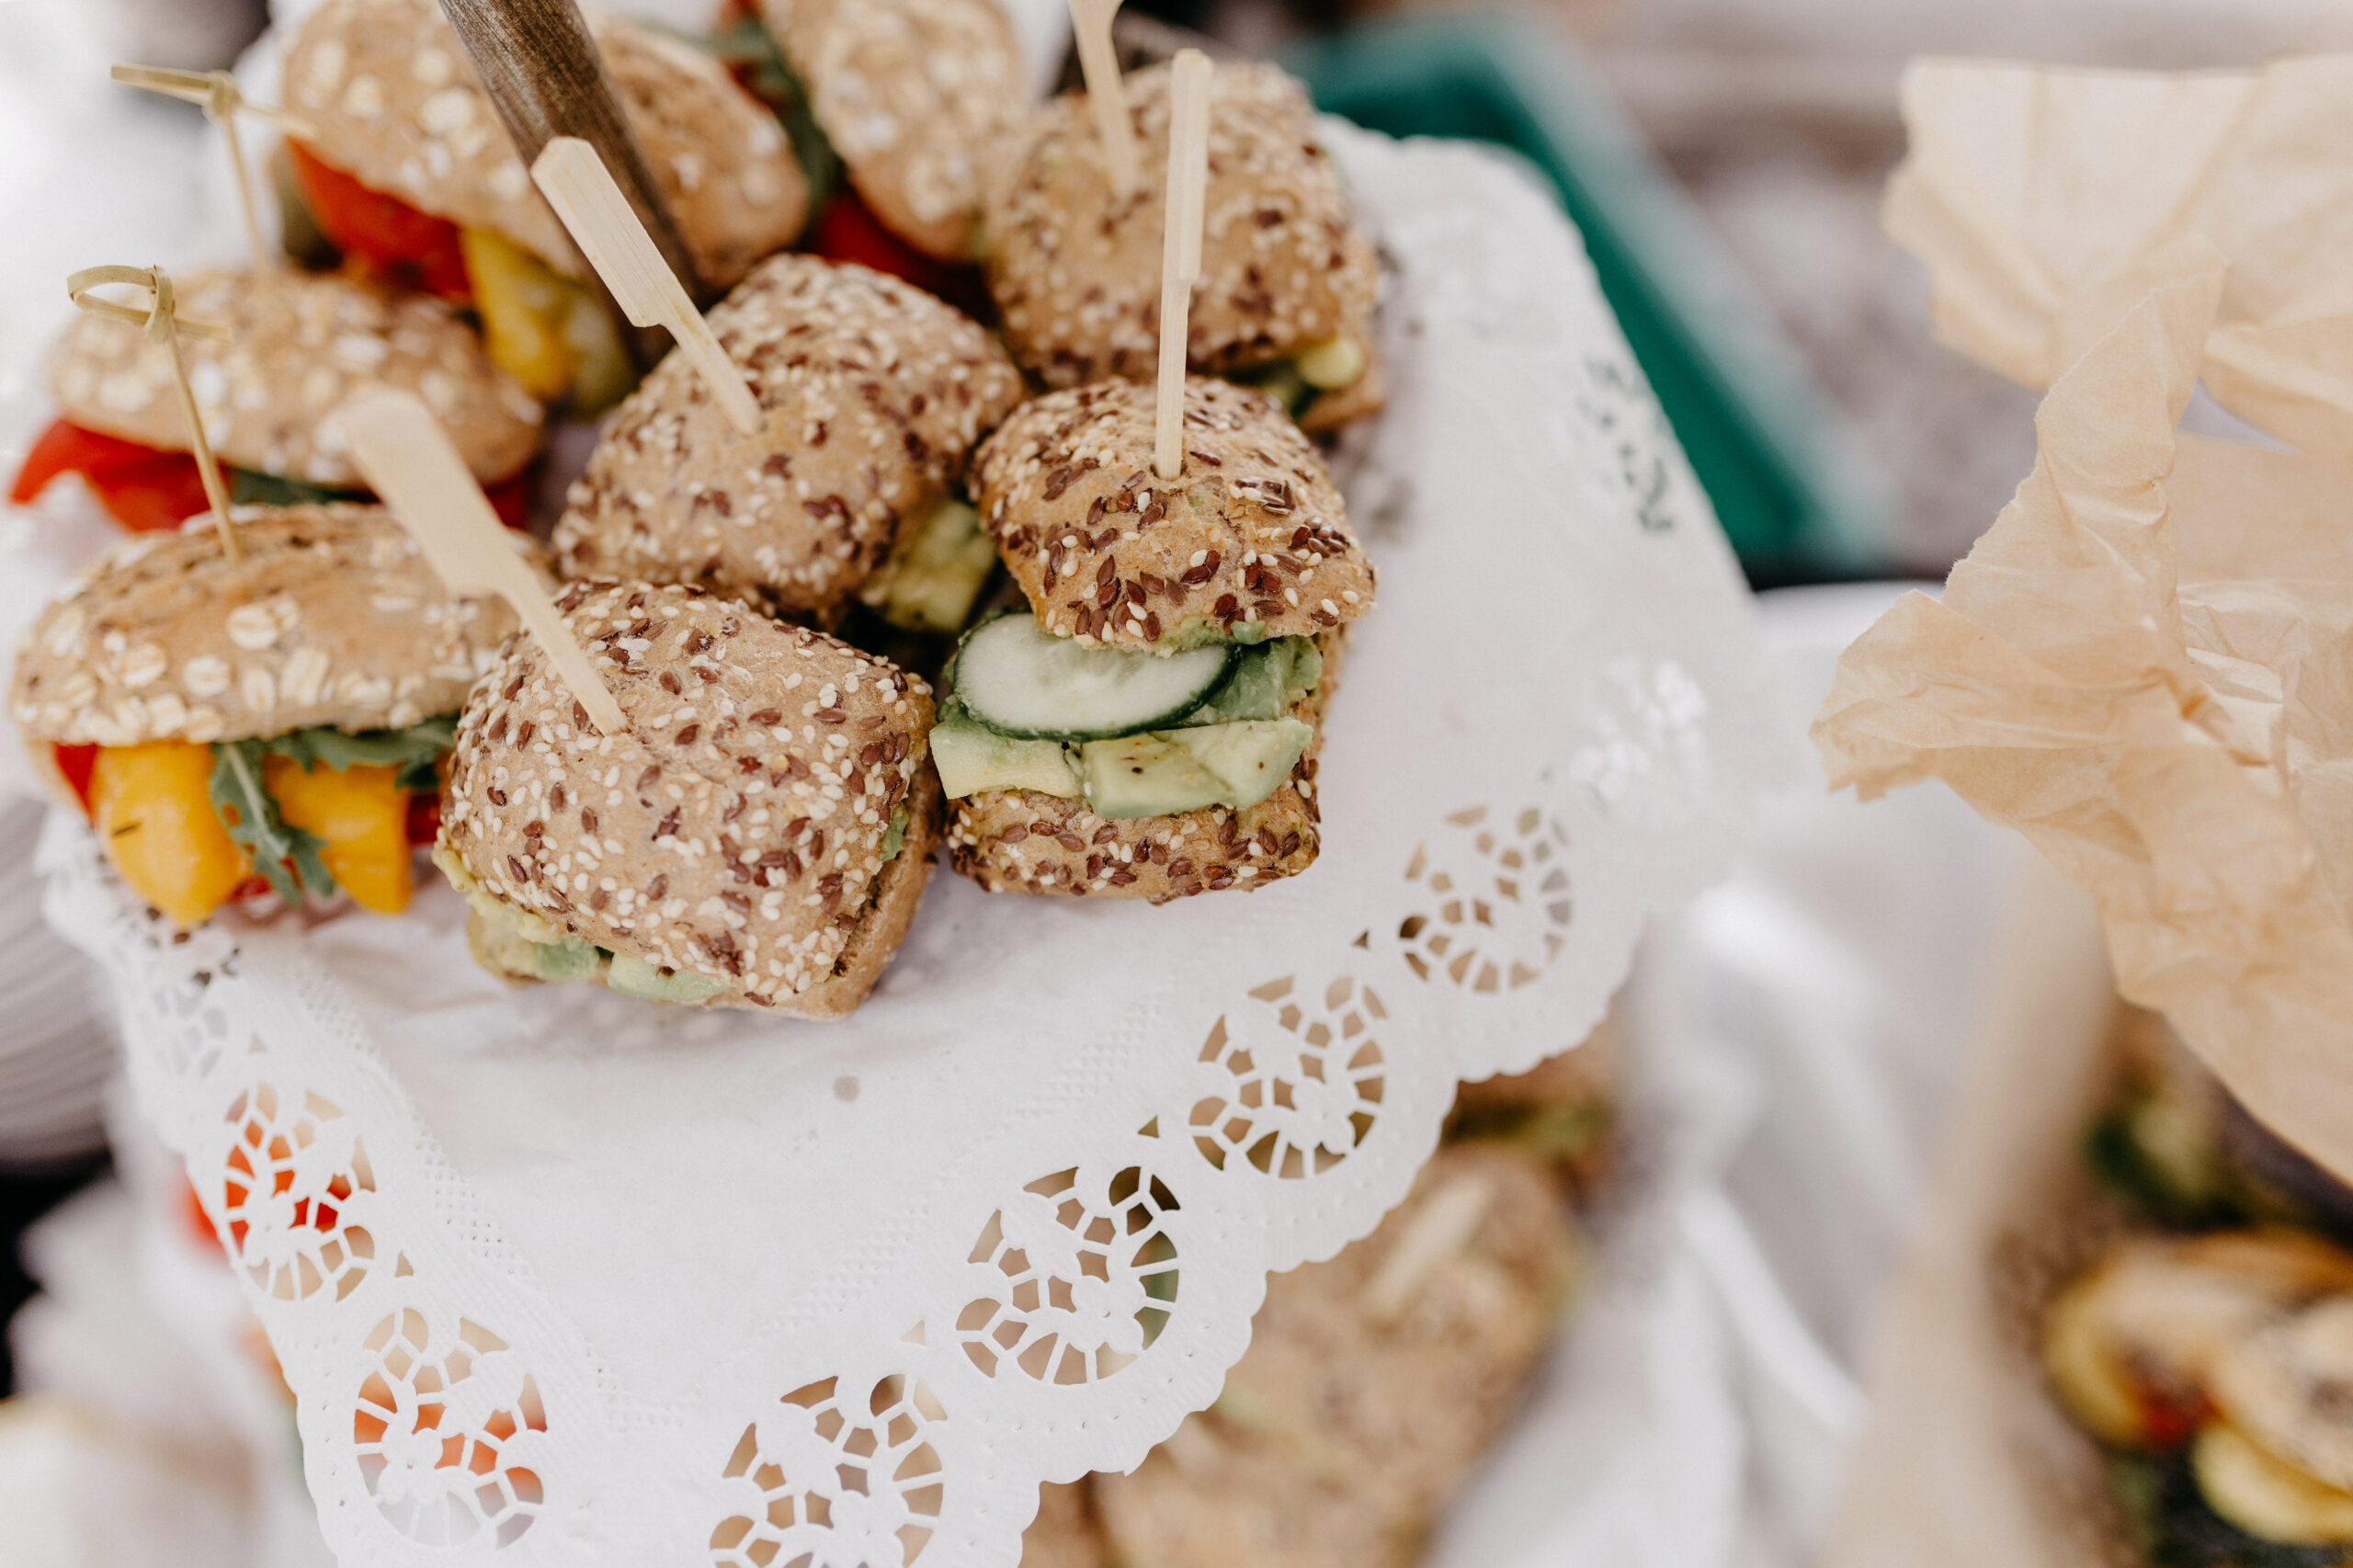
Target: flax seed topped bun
pixel 330 616
pixel 758 835
pixel 388 95
pixel 917 97
pixel 1253 533
pixel 300 343
pixel 1076 270
pixel 874 392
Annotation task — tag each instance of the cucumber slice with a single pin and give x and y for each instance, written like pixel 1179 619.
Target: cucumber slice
pixel 1331 364
pixel 1250 758
pixel 970 759
pixel 1024 682
pixel 1145 776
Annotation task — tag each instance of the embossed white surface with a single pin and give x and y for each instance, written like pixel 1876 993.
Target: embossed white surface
pixel 559 1278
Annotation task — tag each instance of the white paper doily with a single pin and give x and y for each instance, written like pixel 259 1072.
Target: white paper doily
pixel 560 1277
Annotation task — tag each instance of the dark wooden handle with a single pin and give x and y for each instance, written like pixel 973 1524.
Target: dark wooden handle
pixel 541 69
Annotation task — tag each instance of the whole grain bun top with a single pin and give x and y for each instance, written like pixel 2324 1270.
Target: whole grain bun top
pixel 734 830
pixel 390 98
pixel 1253 532
pixel 1076 271
pixel 300 343
pixel 918 96
pixel 330 616
pixel 875 394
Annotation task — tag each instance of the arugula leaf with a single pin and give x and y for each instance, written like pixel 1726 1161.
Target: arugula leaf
pixel 248 487
pixel 414 750
pixel 749 50
pixel 287 857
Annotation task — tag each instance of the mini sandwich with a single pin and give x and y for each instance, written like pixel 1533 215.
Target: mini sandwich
pixel 1149 729
pixel 1287 284
pixel 408 171
pixel 298 346
pixel 916 98
pixel 758 838
pixel 273 722
pixel 874 392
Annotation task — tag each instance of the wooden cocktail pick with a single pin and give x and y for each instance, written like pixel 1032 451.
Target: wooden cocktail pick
pixel 582 191
pixel 1180 256
pixel 217 92
pixel 546 79
pixel 408 461
pixel 1090 23
pixel 164 329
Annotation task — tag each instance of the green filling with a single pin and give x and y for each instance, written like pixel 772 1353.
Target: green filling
pixel 1234 750
pixel 416 750
pixel 634 977
pixel 895 837
pixel 752 55
pixel 286 858
pixel 936 572
pixel 248 487
pixel 1297 381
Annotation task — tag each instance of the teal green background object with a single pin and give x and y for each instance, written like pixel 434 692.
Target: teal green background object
pixel 1758 431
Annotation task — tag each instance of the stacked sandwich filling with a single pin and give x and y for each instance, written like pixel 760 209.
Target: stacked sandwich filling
pixel 410 175
pixel 273 723
pixel 299 345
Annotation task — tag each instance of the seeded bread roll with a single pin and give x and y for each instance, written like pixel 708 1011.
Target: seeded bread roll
pixel 1255 535
pixel 735 831
pixel 388 95
pixel 918 96
pixel 1373 1384
pixel 1028 841
pixel 300 343
pixel 1076 270
pixel 329 617
pixel 874 392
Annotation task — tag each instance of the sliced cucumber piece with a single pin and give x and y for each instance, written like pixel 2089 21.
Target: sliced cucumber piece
pixel 1145 776
pixel 1250 758
pixel 970 759
pixel 633 976
pixel 1265 682
pixel 1020 680
pixel 934 572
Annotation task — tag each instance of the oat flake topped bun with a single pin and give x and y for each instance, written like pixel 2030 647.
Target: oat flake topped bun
pixel 917 97
pixel 1077 272
pixel 735 831
pixel 1252 533
pixel 329 617
pixel 396 103
pixel 874 392
pixel 300 343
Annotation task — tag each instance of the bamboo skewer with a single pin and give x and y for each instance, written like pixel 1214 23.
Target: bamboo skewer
pixel 585 195
pixel 1091 25
pixel 1180 260
pixel 159 320
pixel 408 461
pixel 217 93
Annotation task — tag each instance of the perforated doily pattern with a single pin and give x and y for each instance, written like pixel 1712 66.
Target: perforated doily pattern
pixel 560 1277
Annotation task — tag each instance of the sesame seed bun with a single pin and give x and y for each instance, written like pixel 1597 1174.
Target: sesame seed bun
pixel 300 343
pixel 734 831
pixel 330 616
pixel 394 102
pixel 875 394
pixel 1255 534
pixel 1076 271
pixel 917 97
pixel 1026 841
